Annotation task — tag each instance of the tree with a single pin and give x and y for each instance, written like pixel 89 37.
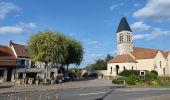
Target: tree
pixel 99 64
pixel 75 52
pixel 47 47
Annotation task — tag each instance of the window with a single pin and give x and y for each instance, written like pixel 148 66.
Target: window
pixel 160 64
pixel 111 70
pixel 124 68
pixel 128 38
pixel 132 67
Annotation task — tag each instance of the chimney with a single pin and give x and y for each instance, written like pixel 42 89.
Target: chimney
pixel 10 43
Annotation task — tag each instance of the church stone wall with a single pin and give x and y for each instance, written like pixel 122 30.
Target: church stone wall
pixel 127 66
pixel 145 64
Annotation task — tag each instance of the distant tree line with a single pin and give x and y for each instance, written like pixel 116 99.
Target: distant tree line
pixel 100 64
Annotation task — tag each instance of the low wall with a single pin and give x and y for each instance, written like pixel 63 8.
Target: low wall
pixel 104 72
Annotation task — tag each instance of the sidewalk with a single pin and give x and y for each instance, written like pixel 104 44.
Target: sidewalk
pixel 162 97
pixel 74 84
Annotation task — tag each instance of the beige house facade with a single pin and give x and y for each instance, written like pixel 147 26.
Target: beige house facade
pixel 136 58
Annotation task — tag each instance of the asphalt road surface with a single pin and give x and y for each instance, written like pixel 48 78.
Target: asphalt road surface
pixel 95 93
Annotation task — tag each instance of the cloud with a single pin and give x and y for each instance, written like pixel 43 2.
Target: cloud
pixel 140 26
pixel 158 10
pixel 15 29
pixel 114 6
pixel 27 25
pixel 11 29
pixel 156 33
pixel 5 8
pixel 92 42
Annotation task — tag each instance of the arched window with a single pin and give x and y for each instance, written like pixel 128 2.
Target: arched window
pixel 132 67
pixel 111 70
pixel 124 68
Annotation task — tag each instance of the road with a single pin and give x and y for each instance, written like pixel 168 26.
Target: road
pixel 88 93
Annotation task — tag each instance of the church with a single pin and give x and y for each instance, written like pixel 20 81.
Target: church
pixel 131 57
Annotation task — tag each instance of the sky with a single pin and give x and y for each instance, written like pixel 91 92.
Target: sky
pixel 93 22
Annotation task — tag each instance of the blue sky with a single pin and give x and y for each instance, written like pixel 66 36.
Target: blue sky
pixel 94 22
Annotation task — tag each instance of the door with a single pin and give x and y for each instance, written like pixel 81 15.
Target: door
pixel 9 74
pixel 117 70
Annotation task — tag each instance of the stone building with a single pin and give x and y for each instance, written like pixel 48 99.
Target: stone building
pixel 136 58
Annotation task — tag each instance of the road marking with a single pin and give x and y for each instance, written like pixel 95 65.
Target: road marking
pixel 91 93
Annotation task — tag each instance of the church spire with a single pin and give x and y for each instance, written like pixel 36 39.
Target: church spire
pixel 123 25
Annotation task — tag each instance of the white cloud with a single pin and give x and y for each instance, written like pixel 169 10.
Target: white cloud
pixel 19 28
pixel 10 29
pixel 156 33
pixel 92 42
pixel 114 6
pixel 158 10
pixel 5 8
pixel 140 26
pixel 27 25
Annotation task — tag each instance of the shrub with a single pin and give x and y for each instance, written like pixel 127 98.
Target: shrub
pixel 154 83
pixel 150 76
pixel 129 73
pixel 132 80
pixel 118 81
pixel 154 72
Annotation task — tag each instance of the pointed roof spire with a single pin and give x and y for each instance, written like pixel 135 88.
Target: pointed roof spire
pixel 123 25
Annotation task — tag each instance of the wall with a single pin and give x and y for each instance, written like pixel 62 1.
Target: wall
pixel 127 66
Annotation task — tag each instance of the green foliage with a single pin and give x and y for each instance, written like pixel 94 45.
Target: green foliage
pixel 150 76
pixel 50 46
pixel 154 72
pixel 99 64
pixel 77 71
pixel 75 51
pixel 132 80
pixel 118 81
pixel 47 46
pixel 154 83
pixel 129 72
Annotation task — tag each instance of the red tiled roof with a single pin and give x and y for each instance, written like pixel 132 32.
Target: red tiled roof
pixel 7 63
pixel 146 53
pixel 21 50
pixel 6 53
pixel 122 58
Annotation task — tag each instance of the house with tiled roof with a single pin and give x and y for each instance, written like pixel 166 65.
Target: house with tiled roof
pixel 136 58
pixel 16 63
pixel 26 68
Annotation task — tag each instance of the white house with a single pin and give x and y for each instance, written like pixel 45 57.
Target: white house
pixel 136 58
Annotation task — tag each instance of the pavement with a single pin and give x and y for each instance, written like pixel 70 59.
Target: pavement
pixel 66 85
pixel 93 89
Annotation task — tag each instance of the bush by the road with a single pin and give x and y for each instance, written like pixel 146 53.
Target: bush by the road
pixel 129 72
pixel 132 77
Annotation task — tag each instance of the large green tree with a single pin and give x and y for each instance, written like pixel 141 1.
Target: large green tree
pixel 55 47
pixel 48 47
pixel 75 52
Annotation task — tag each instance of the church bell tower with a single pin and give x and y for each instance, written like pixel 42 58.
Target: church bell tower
pixel 124 38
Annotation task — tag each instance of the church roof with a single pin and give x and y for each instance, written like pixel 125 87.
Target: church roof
pixel 123 25
pixel 147 53
pixel 122 59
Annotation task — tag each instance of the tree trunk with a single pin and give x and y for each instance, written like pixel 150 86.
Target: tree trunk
pixel 46 72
